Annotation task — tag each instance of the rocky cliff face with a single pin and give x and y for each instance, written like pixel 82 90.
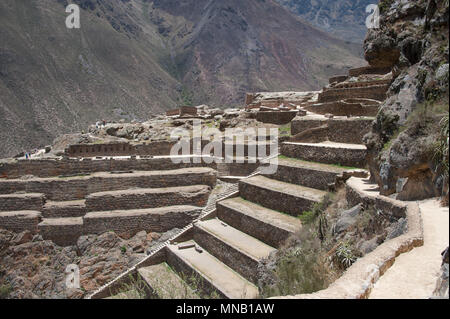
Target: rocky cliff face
pixel 408 144
pixel 33 268
pixel 135 57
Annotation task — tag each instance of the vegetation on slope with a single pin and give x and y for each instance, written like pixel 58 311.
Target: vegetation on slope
pixel 332 238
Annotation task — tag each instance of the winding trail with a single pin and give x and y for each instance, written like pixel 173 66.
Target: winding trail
pixel 414 274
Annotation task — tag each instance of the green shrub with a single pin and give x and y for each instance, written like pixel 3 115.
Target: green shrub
pixel 299 269
pixel 5 291
pixel 317 210
pixel 344 255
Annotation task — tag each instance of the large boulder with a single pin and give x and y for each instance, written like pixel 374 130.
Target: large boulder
pixel 347 219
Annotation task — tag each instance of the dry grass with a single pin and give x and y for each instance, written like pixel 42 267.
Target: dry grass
pixel 302 265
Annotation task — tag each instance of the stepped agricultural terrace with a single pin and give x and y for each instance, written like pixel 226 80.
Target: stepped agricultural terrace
pixel 220 244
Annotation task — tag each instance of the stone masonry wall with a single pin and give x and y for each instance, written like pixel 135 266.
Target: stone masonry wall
pixel 339 130
pixel 196 195
pixel 278 118
pixel 371 92
pixel 65 189
pixel 341 156
pixel 348 131
pixel 127 223
pixel 64 234
pixel 319 179
pixel 21 202
pixel 299 125
pixel 290 204
pixel 20 221
pixel 341 108
pixel 56 167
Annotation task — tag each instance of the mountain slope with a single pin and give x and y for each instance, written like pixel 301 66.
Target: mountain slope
pixel 229 47
pixel 135 57
pixel 343 18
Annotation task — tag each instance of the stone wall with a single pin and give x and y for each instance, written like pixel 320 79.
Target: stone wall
pixel 348 130
pixel 68 167
pixel 353 157
pixel 262 230
pixel 20 221
pixel 372 92
pixel 64 209
pixel 196 195
pixel 94 150
pixel 173 112
pixel 369 70
pixel 318 179
pixel 63 232
pixel 157 148
pixel 361 84
pixel 188 111
pixel 393 208
pixel 358 281
pixel 127 223
pixel 74 188
pixel 300 124
pixel 237 169
pixel 344 108
pixel 342 130
pixel 183 111
pixel 21 202
pixel 278 118
pixel 276 200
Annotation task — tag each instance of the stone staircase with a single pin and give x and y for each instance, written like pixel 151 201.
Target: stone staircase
pixel 277 195
pixel 222 250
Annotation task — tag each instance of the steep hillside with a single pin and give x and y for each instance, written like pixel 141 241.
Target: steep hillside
pixel 408 144
pixel 343 18
pixel 135 57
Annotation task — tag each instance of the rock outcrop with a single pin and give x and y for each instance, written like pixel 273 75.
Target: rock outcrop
pixel 35 268
pixel 413 42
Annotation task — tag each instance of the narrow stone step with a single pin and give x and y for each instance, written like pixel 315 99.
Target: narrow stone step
pixel 213 275
pixel 75 208
pixel 164 283
pixel 284 197
pixel 126 223
pixel 267 225
pixel 237 250
pixel 353 155
pixel 309 174
pixel 21 202
pixel 142 198
pixel 62 231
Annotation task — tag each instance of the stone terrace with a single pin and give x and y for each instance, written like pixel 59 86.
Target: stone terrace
pixel 223 248
pixel 95 199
